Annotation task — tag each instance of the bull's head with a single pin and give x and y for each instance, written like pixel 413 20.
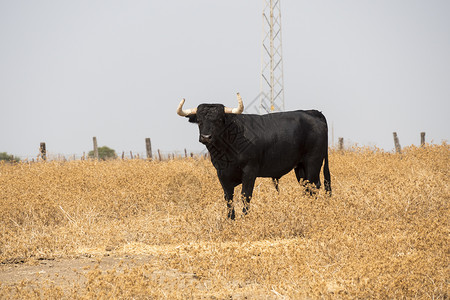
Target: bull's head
pixel 210 118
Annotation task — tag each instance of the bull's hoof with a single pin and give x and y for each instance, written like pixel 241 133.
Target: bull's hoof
pixel 231 215
pixel 245 210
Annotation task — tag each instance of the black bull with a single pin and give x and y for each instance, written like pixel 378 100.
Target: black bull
pixel 245 146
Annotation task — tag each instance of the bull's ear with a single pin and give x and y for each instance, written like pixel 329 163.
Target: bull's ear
pixel 192 118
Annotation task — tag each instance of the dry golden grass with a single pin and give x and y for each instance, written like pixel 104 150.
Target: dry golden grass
pixel 383 234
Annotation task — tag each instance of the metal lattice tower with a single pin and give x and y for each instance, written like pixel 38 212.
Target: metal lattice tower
pixel 272 88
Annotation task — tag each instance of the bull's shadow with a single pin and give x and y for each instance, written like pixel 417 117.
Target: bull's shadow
pixel 245 146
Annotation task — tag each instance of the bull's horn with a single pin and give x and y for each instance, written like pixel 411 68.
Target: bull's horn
pixel 236 110
pixel 185 112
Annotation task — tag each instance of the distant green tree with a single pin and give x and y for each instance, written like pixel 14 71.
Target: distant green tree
pixel 104 153
pixel 7 157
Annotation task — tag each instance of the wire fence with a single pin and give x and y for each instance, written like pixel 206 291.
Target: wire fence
pixel 124 155
pixel 160 155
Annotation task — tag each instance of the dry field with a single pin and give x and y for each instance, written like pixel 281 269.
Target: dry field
pixel 140 229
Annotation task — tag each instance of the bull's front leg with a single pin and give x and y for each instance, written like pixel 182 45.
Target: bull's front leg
pixel 228 191
pixel 228 194
pixel 248 183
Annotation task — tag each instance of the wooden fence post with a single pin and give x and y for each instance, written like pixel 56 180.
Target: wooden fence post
pixel 43 151
pixel 422 139
pixel 148 147
pixel 398 148
pixel 341 144
pixel 159 155
pixel 94 139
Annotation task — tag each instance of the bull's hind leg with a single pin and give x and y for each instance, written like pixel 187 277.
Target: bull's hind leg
pixel 312 170
pixel 300 172
pixel 275 183
pixel 309 173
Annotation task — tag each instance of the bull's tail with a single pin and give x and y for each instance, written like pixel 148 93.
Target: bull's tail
pixel 326 174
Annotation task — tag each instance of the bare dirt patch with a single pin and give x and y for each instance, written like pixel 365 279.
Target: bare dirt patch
pixel 65 272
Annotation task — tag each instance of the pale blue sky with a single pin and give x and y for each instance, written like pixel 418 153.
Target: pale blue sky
pixel 71 70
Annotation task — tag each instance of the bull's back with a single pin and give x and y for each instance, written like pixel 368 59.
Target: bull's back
pixel 280 141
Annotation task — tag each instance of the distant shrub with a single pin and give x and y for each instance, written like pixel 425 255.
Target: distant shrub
pixel 104 153
pixel 8 157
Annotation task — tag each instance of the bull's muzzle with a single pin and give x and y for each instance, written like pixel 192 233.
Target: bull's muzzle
pixel 205 138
